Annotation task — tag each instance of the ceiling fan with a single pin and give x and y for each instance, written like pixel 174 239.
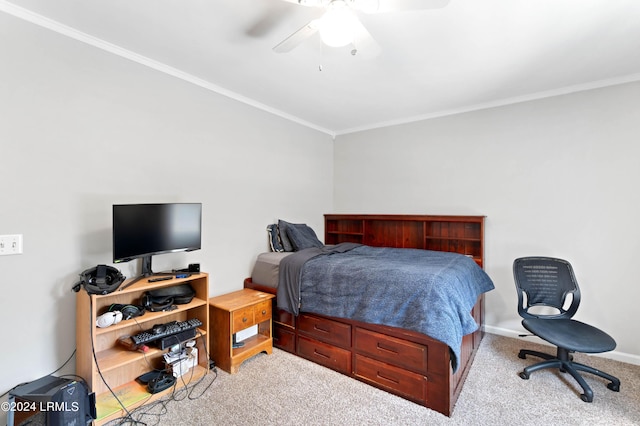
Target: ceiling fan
pixel 339 25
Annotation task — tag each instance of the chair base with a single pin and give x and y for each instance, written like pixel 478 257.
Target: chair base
pixel 564 362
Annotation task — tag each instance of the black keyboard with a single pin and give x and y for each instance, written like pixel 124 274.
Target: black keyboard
pixel 160 331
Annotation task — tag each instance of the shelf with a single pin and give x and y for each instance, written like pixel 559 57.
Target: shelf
pixel 250 344
pixel 453 238
pixel 457 234
pixel 117 356
pixel 150 317
pixel 144 284
pixel 133 394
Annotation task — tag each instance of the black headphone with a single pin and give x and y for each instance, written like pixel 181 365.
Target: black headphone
pixel 128 311
pixel 101 279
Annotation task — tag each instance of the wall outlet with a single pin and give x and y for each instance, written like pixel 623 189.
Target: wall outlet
pixel 10 244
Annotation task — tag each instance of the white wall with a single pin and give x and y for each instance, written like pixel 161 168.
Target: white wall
pixel 80 130
pixel 556 177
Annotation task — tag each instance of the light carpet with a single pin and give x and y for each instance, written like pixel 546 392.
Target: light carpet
pixel 282 389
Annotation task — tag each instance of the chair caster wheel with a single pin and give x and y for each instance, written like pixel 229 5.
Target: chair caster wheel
pixel 614 387
pixel 523 375
pixel 586 398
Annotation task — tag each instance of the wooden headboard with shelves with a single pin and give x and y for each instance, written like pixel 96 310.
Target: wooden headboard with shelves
pixel 458 234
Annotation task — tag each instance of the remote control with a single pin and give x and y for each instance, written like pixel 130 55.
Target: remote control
pixel 153 280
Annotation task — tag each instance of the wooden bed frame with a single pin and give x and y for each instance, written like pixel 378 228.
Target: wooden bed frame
pixel 406 363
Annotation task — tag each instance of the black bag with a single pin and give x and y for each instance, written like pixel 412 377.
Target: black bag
pixel 163 299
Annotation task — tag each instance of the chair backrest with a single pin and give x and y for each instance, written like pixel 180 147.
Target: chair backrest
pixel 545 281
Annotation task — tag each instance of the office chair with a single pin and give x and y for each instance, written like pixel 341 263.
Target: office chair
pixel 549 282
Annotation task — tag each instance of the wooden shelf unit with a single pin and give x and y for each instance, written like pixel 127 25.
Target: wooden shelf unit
pixel 119 366
pixel 458 234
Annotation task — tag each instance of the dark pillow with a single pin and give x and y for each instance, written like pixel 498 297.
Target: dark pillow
pixel 284 238
pixel 302 236
pixel 274 238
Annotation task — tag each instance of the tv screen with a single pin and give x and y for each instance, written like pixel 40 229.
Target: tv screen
pixel 142 230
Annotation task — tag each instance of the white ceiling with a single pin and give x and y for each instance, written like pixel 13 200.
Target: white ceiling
pixel 471 54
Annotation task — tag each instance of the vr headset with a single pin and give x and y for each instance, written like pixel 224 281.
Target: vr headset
pixel 163 299
pixel 101 279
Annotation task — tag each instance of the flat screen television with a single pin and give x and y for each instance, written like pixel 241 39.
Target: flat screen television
pixel 143 230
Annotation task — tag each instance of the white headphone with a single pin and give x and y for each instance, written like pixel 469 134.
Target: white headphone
pixel 109 318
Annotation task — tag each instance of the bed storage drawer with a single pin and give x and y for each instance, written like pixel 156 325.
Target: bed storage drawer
pixel 283 317
pixel 284 338
pixel 410 385
pixel 330 356
pixel 328 331
pixel 402 353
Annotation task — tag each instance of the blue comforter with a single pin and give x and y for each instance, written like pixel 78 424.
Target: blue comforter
pixel 429 292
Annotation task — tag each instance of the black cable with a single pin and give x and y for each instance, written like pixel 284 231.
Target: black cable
pixel 50 374
pixel 95 358
pixel 135 416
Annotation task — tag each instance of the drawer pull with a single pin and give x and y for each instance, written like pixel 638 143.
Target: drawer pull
pixel 382 348
pixel 264 312
pixel 244 319
pixel 315 327
pixel 380 376
pixel 315 352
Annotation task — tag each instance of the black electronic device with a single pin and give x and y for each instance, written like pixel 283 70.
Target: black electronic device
pixel 163 299
pixel 146 377
pixel 101 279
pixel 175 339
pixel 193 268
pixel 235 344
pixel 56 401
pixel 144 230
pixel 159 331
pixel 155 280
pixel 162 381
pixel 128 311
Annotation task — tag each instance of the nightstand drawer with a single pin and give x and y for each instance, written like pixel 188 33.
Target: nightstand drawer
pixel 262 311
pixel 243 318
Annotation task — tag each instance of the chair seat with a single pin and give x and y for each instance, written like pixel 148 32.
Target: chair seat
pixel 571 335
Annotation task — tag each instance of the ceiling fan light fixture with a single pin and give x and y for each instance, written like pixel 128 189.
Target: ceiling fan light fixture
pixel 338 24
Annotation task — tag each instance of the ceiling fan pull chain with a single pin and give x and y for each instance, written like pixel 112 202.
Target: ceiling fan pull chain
pixel 321 56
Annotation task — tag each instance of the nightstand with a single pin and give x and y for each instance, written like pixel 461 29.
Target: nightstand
pixel 234 312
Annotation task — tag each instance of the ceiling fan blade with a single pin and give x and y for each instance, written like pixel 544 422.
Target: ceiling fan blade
pixel 364 44
pixel 291 42
pixel 310 3
pixel 380 6
pixel 273 14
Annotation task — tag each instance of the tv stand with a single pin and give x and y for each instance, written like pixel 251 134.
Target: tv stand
pixel 108 366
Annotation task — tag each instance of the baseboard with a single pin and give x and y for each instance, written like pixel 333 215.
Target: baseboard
pixel 615 355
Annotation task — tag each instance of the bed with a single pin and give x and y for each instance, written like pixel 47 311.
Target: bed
pixel 374 347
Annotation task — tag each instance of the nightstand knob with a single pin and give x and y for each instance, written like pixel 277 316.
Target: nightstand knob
pixel 264 312
pixel 244 319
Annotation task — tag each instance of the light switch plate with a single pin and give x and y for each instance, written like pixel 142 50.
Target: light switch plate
pixel 10 244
